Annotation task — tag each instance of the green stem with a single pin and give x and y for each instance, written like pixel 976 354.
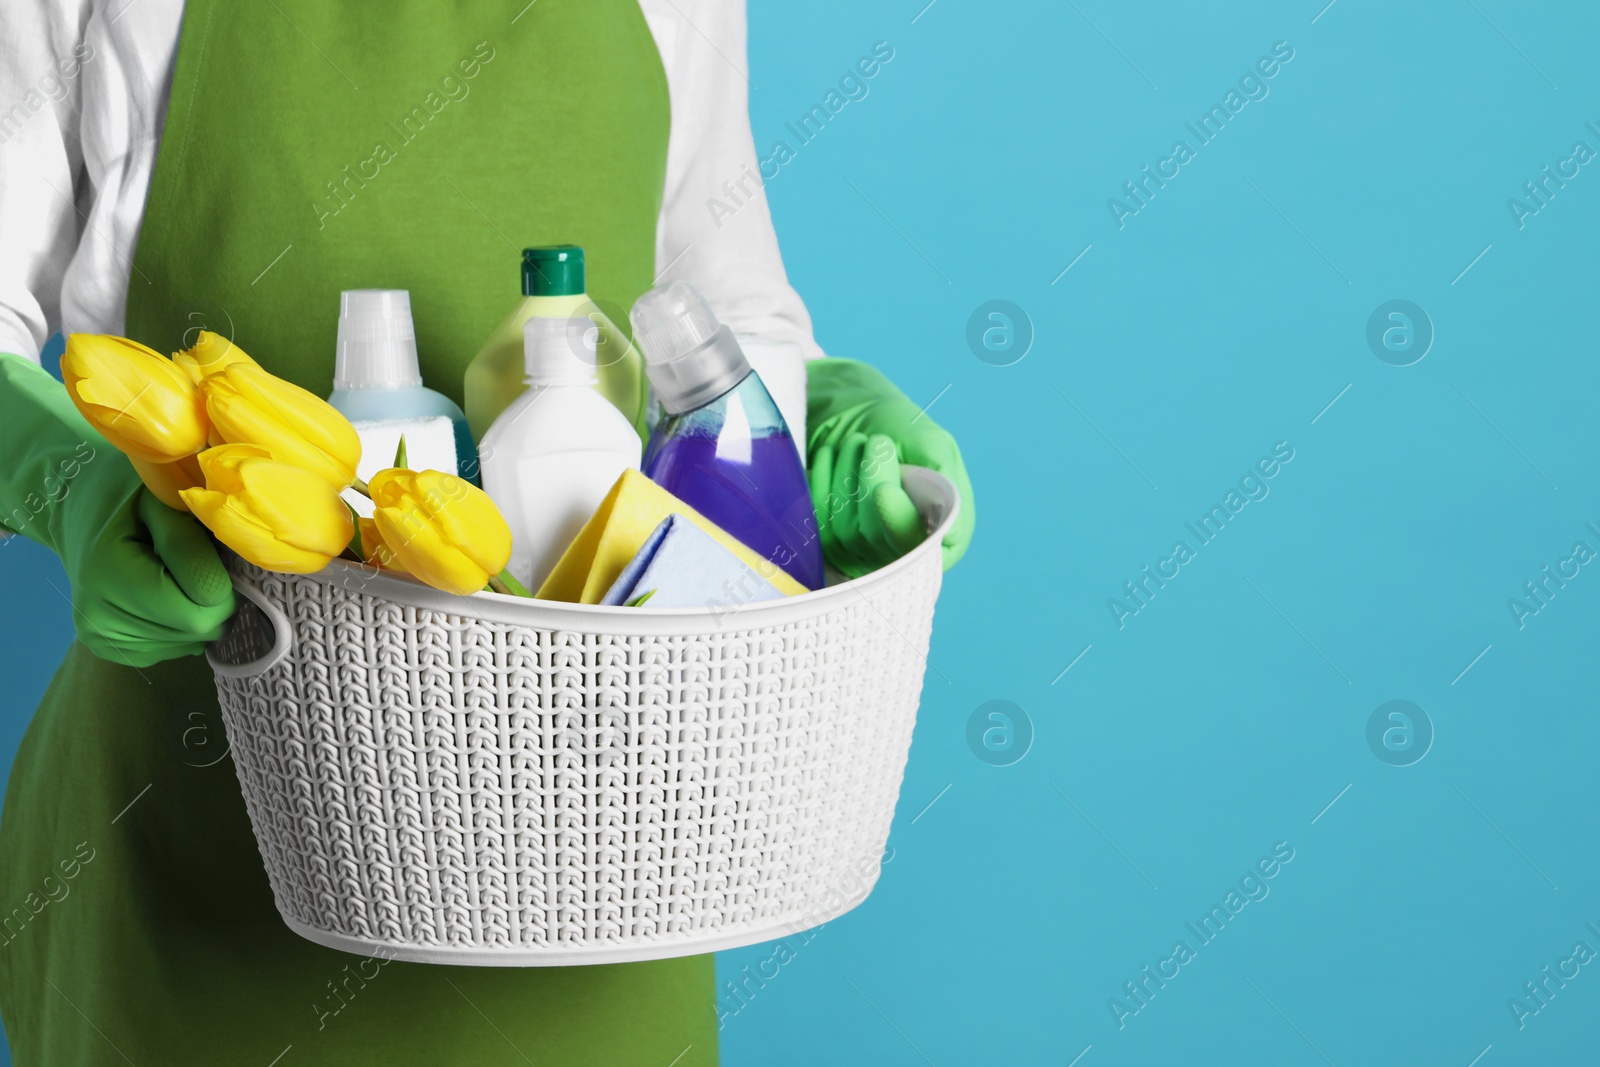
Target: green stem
pixel 361 487
pixel 504 583
pixel 355 549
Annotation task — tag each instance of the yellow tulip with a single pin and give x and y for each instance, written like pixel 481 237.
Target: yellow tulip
pixel 168 480
pixel 374 552
pixel 139 401
pixel 211 354
pixel 248 406
pixel 442 529
pixel 272 513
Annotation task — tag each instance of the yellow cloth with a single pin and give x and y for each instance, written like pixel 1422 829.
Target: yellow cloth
pixel 618 529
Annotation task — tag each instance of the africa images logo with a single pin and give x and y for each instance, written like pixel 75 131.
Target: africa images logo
pixel 1140 991
pixel 1253 87
pixel 1253 487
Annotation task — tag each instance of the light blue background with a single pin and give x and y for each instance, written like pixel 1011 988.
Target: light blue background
pixel 1229 713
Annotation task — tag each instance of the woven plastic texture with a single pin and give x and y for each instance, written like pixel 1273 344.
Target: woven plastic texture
pixel 446 788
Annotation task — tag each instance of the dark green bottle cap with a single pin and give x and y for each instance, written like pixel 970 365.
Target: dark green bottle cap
pixel 555 270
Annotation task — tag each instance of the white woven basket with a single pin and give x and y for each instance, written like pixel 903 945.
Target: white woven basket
pixel 487 780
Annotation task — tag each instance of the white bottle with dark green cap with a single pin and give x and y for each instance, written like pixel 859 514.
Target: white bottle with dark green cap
pixel 552 288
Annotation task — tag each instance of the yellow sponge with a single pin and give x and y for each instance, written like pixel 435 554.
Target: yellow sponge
pixel 619 528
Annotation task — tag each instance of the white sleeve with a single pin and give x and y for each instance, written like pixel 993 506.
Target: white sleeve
pixel 715 229
pixel 41 55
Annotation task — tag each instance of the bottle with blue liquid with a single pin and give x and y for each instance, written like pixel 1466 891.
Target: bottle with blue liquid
pixel 377 385
pixel 722 446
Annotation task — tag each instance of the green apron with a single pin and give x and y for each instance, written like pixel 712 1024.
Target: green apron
pixel 313 146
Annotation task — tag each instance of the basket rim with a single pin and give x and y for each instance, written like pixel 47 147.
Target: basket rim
pixel 935 495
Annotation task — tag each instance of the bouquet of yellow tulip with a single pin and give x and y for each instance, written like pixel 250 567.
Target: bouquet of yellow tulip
pixel 262 462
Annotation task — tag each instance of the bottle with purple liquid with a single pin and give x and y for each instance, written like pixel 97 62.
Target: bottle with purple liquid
pixel 722 446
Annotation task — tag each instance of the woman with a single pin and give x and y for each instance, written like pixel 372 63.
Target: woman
pixel 237 165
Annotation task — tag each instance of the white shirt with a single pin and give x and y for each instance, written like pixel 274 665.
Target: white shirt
pixel 83 98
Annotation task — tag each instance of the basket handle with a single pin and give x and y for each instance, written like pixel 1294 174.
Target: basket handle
pixel 254 639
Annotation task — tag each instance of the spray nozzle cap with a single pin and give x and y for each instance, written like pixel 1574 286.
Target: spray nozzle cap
pixel 560 351
pixel 377 340
pixel 691 357
pixel 553 270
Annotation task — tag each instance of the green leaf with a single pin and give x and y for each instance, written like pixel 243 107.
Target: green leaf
pixel 639 601
pixel 400 458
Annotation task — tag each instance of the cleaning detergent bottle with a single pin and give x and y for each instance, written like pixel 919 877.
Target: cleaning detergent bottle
pixel 722 445
pixel 377 385
pixel 552 456
pixel 552 288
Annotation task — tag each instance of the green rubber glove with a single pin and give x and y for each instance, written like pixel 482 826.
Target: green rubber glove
pixel 861 428
pixel 147 584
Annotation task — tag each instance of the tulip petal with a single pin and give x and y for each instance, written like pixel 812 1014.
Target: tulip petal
pixel 301 413
pixel 221 465
pixel 374 551
pixel 302 509
pixel 167 481
pixel 387 487
pixel 211 354
pixel 238 420
pixel 465 517
pixel 275 515
pixel 142 404
pixel 235 527
pixel 419 546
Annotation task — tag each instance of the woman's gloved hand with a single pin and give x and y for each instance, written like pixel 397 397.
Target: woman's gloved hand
pixel 860 429
pixel 147 584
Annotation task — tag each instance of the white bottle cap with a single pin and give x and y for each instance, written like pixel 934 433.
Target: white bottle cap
pixel 690 357
pixel 560 351
pixel 377 340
